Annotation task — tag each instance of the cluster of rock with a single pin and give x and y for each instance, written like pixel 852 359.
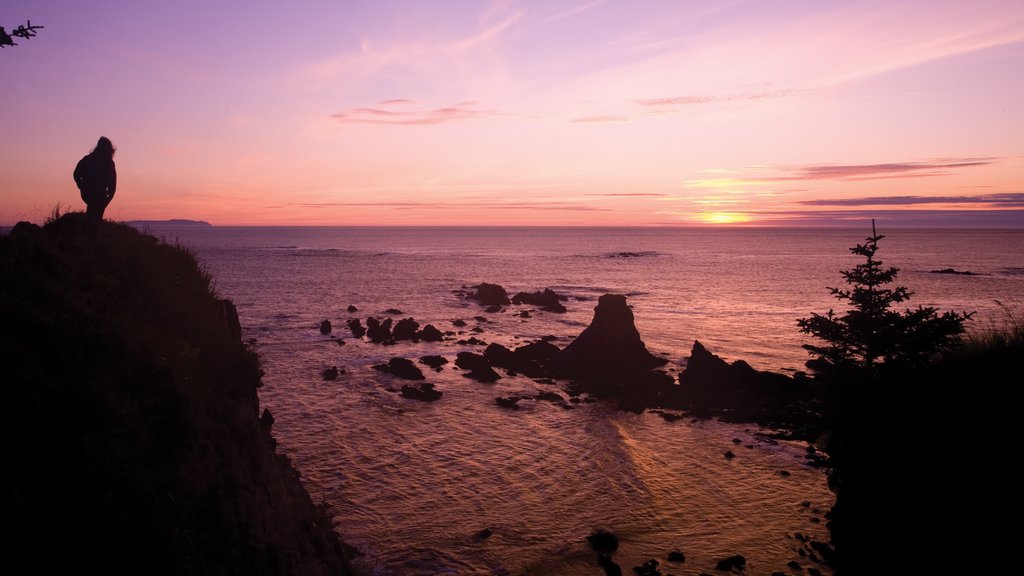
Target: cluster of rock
pixel 382 332
pixel 610 360
pixel 494 296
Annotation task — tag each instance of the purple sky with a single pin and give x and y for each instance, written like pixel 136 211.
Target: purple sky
pixel 522 112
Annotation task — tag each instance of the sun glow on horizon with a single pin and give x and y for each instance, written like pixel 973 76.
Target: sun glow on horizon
pixel 724 217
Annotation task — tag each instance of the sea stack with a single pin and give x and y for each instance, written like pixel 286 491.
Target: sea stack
pixel 611 345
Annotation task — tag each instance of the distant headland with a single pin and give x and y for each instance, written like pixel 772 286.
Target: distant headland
pixel 171 222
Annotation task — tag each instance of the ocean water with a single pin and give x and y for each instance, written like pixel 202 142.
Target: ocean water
pixel 412 483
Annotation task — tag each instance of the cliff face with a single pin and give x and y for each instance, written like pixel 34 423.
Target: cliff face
pixel 133 421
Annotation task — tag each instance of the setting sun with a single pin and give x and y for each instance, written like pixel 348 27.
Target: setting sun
pixel 724 217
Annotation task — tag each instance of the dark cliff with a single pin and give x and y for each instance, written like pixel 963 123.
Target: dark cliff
pixel 136 442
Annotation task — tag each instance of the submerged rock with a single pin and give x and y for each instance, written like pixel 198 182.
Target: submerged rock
pixel 325 327
pixel 512 402
pixel 352 309
pixel 676 556
pixel 648 568
pixel 330 373
pixel 735 562
pixel 610 345
pixel 548 300
pixel 424 393
pixel 401 368
pixel 434 361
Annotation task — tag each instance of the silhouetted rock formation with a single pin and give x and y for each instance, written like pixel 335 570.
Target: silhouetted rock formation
pixel 405 329
pixel 603 541
pixel 512 402
pixel 490 295
pixel 478 367
pixel 352 309
pixel 139 445
pixel 356 327
pixel 400 368
pixel 430 334
pixel 433 361
pixel 529 360
pixel 648 568
pixel 377 331
pixel 330 373
pixel 325 327
pixel 548 300
pixel 424 393
pixel 610 345
pixel 608 565
pixel 394 312
pixel 736 562
pixel 952 271
pixel 736 392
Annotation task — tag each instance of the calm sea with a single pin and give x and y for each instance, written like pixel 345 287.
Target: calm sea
pixel 413 483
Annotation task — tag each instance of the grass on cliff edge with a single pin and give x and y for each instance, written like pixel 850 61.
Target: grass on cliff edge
pixel 132 412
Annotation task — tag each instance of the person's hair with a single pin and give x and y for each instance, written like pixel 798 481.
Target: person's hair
pixel 104 146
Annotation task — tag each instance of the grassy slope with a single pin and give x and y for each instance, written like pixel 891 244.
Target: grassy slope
pixel 132 417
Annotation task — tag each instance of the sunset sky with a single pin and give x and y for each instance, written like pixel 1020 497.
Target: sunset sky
pixel 521 112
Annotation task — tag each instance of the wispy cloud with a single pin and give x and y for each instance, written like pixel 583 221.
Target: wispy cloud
pixel 996 200
pixel 1009 218
pixel 876 171
pixel 630 194
pixel 543 206
pixel 709 98
pixel 608 119
pixel 396 101
pixel 573 11
pixel 840 172
pixel 411 117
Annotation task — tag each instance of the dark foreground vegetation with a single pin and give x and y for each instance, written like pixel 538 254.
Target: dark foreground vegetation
pixel 135 442
pixel 915 414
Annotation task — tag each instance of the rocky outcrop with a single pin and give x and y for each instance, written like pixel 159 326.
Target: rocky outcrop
pixel 736 392
pixel 325 327
pixel 378 331
pixel 548 300
pixel 477 367
pixel 529 360
pixel 400 368
pixel 356 327
pixel 490 295
pixel 229 316
pixel 405 329
pixel 611 345
pixel 424 392
pixel 430 334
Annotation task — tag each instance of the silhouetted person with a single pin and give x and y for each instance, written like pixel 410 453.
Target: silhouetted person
pixel 97 179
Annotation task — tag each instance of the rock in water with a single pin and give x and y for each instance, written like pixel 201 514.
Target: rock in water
pixel 736 562
pixel 430 334
pixel 401 368
pixel 548 300
pixel 325 327
pixel 490 295
pixel 425 393
pixel 351 308
pixel 405 329
pixel 603 541
pixel 377 331
pixel 356 327
pixel 610 345
pixel 478 366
